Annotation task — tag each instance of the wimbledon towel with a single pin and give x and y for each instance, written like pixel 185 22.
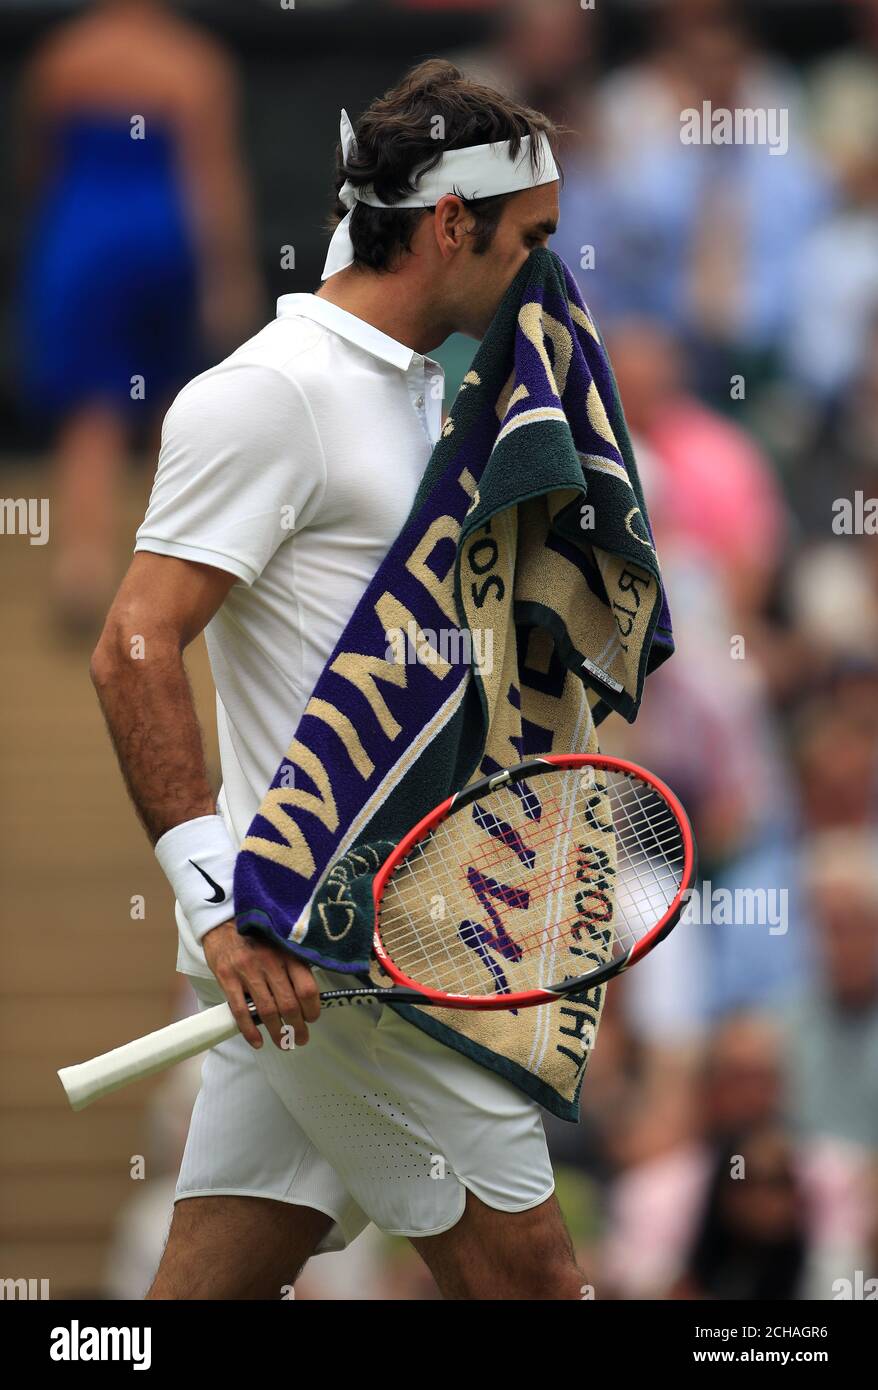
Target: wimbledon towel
pixel 521 602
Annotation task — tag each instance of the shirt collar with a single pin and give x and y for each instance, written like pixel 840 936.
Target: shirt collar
pixel 348 326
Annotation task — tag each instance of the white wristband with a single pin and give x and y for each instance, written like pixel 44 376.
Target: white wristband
pixel 198 858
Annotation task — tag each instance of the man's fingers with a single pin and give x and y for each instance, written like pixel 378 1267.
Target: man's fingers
pixel 282 989
pixel 263 998
pixel 307 993
pixel 288 1005
pixel 234 992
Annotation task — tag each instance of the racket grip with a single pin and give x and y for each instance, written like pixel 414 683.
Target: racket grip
pixel 88 1081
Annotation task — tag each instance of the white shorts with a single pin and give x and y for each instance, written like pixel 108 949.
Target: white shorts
pixel 371 1121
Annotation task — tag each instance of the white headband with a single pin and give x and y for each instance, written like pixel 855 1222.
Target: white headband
pixel 477 171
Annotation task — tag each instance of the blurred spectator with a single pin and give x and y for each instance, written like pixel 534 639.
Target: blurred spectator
pixel 834 600
pixel 710 492
pixel 834 752
pixel 543 53
pixel 673 1221
pixel 720 527
pixel 699 236
pixel 752 1242
pixel 843 93
pixel 139 234
pixel 835 278
pixel 831 1031
pixel 839 454
pixel 141 1226
pixel 374 1268
pixel 654 1203
pixel 700 50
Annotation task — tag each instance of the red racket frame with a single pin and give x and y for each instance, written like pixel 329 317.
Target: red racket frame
pixel 536 767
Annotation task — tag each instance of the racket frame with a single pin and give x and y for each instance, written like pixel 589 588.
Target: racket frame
pixel 598 975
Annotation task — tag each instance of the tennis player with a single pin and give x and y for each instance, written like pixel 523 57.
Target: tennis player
pixel 285 474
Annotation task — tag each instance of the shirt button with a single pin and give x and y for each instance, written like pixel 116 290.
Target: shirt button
pixel 419 402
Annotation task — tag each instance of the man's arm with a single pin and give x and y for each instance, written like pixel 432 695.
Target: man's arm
pixel 138 672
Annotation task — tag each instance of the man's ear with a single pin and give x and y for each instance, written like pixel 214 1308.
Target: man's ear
pixel 452 223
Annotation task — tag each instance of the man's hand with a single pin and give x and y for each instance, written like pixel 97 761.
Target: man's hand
pixel 282 988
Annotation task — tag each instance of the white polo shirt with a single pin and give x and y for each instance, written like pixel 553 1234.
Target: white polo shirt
pixel 293 465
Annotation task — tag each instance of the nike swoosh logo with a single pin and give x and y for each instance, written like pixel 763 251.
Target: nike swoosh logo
pixel 219 895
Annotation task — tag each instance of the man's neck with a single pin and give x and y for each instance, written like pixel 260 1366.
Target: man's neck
pixel 393 303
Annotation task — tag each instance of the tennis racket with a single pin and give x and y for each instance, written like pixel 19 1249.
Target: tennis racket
pixel 530 885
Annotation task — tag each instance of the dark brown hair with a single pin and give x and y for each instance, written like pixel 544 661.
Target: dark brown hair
pixel 395 140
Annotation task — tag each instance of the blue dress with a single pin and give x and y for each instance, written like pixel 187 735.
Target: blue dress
pixel 109 283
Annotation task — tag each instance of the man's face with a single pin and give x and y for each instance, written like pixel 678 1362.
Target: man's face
pixel 480 282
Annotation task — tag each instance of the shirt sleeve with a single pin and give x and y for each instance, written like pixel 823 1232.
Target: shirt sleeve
pixel 240 468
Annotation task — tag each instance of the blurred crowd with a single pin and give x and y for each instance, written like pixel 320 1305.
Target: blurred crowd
pixel 729 1144
pixel 729 1138
pixel 138 264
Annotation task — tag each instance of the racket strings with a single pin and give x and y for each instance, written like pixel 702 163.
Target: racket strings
pixel 660 840
pixel 540 899
pixel 636 900
pixel 646 892
pixel 642 898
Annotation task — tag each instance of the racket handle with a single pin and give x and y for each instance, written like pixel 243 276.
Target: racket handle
pixel 88 1081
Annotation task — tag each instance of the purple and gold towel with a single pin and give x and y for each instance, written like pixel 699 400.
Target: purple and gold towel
pixel 521 602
